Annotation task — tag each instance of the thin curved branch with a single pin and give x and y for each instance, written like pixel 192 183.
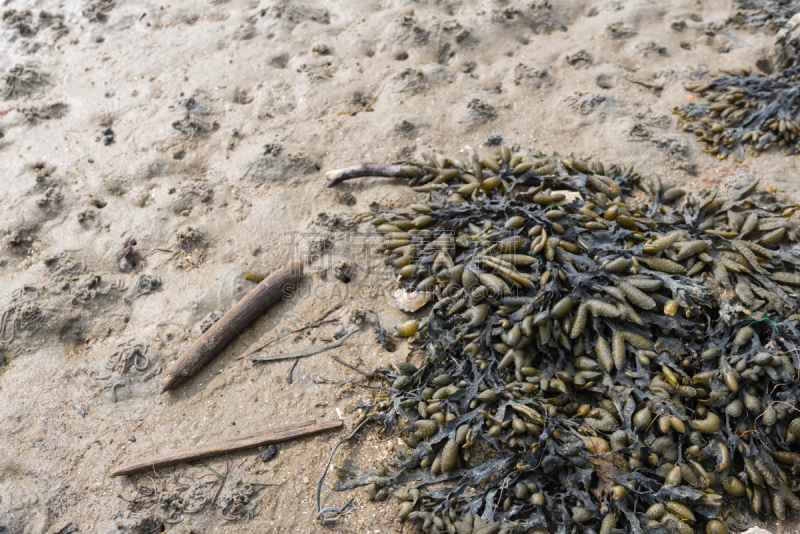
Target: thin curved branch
pixel 305 352
pixel 370 169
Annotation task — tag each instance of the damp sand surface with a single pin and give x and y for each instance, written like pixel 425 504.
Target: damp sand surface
pixel 201 131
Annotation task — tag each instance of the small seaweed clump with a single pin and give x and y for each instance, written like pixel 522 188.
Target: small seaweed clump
pixel 764 14
pixel 745 109
pixel 592 362
pixel 749 109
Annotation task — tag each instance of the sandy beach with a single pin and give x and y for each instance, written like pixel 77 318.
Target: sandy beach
pixel 154 154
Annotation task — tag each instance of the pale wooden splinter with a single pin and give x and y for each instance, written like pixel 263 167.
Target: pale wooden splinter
pixel 190 454
pixel 265 294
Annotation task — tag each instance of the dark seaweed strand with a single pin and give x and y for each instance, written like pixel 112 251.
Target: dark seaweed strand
pixel 507 432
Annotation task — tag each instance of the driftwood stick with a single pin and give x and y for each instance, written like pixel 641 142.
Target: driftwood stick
pixel 190 454
pixel 305 352
pixel 370 169
pixel 211 343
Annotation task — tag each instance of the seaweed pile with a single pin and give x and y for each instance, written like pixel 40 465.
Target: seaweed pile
pixel 745 108
pixel 749 109
pixel 592 362
pixel 764 14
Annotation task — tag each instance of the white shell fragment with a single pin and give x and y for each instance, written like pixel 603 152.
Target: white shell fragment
pixel 410 301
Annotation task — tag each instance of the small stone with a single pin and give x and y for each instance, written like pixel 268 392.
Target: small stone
pixel 493 140
pixel 106 136
pixel 269 453
pixel 79 409
pixel 343 271
pixel 132 439
pixel 321 49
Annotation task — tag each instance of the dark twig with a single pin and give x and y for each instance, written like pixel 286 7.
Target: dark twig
pixel 389 390
pixel 334 511
pixel 356 369
pixel 376 373
pixel 224 479
pixel 306 352
pixel 289 376
pixel 338 383
pixel 319 322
